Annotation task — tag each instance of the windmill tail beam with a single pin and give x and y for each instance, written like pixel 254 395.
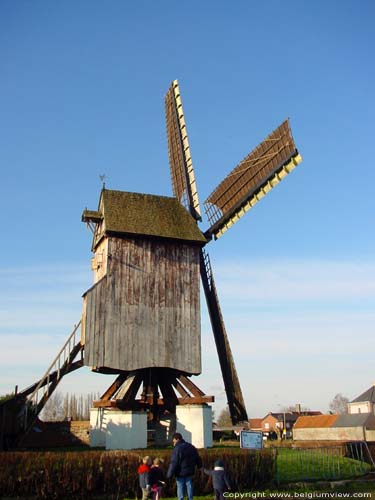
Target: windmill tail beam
pixel 231 382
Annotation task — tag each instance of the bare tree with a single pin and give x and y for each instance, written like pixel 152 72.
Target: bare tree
pixel 339 404
pixel 68 406
pixel 54 408
pixel 224 420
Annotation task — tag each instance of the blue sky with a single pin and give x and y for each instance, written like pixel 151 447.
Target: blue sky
pixel 82 93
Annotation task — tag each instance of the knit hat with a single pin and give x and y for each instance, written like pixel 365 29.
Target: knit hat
pixel 219 463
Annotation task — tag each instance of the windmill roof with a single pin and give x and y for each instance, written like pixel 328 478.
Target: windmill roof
pixel 368 395
pixel 148 215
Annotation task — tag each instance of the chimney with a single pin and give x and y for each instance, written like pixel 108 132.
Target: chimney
pixel 298 408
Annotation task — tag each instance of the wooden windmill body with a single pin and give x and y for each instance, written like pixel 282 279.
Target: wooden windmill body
pixel 143 312
pixel 141 319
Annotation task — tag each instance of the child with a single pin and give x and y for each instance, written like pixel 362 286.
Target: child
pixel 219 479
pixel 143 471
pixel 156 478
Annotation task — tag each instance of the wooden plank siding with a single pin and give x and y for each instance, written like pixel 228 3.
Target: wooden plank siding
pixel 146 311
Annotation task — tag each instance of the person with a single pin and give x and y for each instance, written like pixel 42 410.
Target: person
pixel 220 480
pixel 184 459
pixel 156 478
pixel 143 472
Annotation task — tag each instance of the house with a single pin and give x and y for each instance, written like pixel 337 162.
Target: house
pixel 255 424
pixel 282 423
pixel 365 403
pixel 279 424
pixel 359 427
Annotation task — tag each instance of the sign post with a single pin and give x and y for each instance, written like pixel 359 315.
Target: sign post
pixel 251 440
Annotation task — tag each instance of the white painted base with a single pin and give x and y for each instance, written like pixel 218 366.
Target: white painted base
pixel 194 423
pixel 126 430
pixel 118 430
pixel 97 427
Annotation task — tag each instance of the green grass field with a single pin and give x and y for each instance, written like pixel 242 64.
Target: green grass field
pixel 319 464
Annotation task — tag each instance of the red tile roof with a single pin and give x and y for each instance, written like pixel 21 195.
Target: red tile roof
pixel 315 421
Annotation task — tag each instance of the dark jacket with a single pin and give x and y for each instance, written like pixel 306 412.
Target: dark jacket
pixel 156 476
pixel 219 479
pixel 184 459
pixel 143 471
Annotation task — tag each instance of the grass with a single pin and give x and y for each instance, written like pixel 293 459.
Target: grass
pixel 318 464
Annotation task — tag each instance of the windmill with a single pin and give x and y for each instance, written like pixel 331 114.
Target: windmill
pixel 141 318
pixel 131 231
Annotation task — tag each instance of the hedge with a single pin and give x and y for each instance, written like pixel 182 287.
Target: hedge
pixel 80 475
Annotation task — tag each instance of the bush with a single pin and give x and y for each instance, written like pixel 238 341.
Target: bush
pixel 80 475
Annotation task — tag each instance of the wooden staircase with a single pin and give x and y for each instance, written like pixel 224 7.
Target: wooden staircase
pixel 19 413
pixel 38 394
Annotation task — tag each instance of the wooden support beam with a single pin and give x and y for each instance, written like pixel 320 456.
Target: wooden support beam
pixel 133 388
pixel 113 387
pixel 158 394
pixel 191 386
pixel 167 391
pixel 138 404
pixel 196 400
pixel 105 403
pixel 181 389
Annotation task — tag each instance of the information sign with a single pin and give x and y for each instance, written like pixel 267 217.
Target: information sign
pixel 252 440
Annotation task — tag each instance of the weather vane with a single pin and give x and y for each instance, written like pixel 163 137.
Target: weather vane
pixel 103 178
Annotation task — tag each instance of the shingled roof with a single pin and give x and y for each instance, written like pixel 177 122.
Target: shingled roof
pixel 140 214
pixel 356 420
pixel 316 421
pixel 319 421
pixel 368 395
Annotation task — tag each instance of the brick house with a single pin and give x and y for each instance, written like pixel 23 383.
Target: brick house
pixel 256 424
pixel 279 424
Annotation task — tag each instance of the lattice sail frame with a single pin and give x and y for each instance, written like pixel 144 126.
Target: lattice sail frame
pixel 181 165
pixel 260 171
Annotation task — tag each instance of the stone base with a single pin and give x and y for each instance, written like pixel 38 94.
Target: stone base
pixel 126 430
pixel 118 430
pixel 194 423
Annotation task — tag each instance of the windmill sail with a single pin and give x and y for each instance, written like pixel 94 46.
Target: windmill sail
pixel 182 172
pixel 254 176
pixel 231 382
